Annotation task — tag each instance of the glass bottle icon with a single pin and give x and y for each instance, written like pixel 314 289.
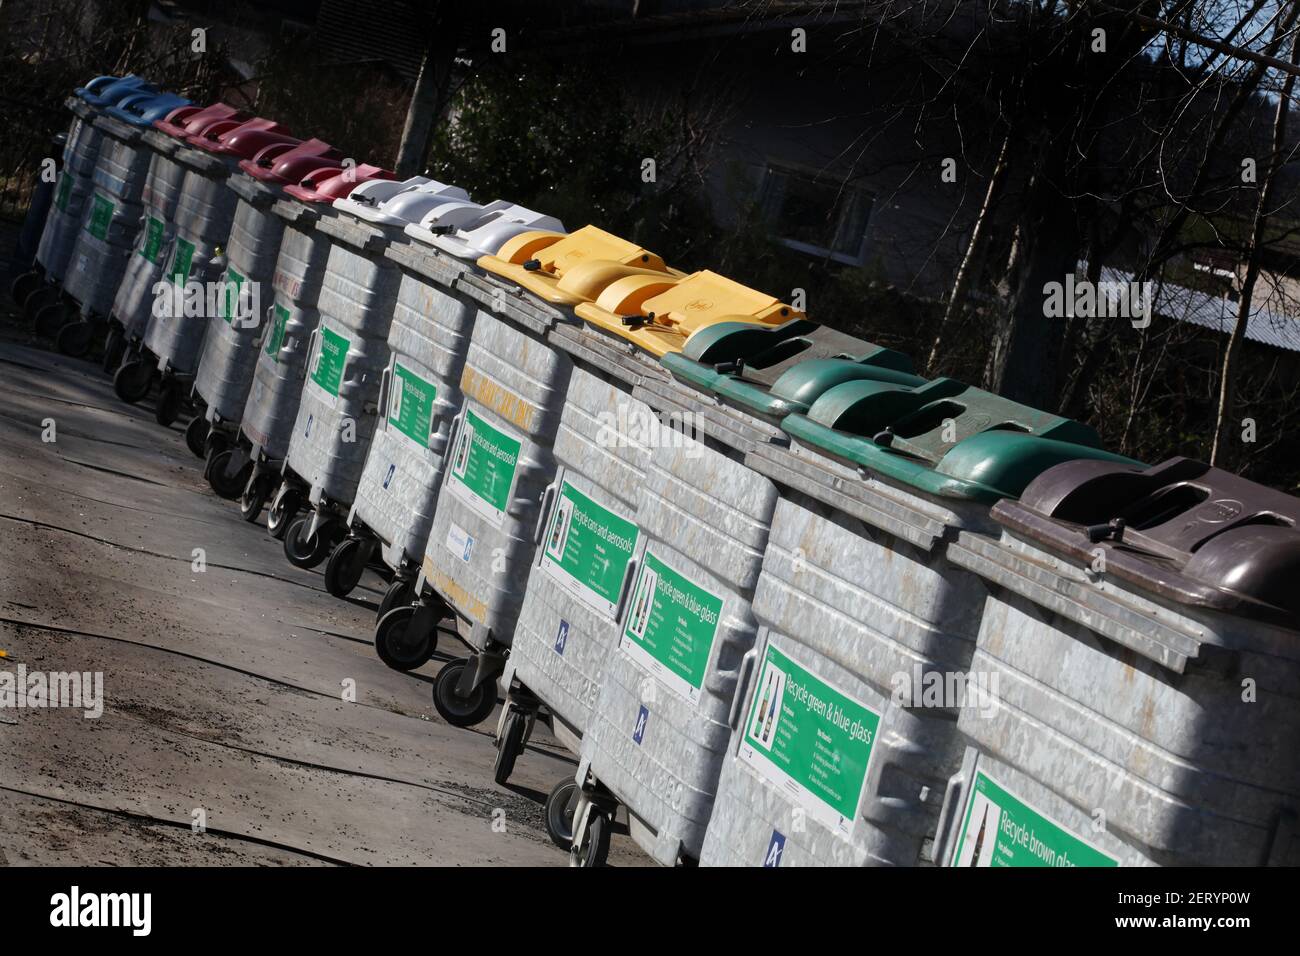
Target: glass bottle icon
pixel 762 708
pixel 979 838
pixel 767 730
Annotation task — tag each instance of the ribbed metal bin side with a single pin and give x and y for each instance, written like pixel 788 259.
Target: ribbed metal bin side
pixel 874 617
pixel 1174 724
pixel 659 733
pixel 67 211
pixel 134 300
pixel 337 413
pixel 112 219
pixel 225 373
pixel 205 209
pixel 482 541
pixel 568 624
pixel 428 341
pixel 273 399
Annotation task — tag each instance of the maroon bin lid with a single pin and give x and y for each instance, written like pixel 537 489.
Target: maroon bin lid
pixel 331 183
pixel 243 140
pixel 290 163
pixel 186 121
pixel 1182 529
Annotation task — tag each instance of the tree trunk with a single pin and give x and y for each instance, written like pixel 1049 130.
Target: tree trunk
pixel 1231 356
pixel 427 99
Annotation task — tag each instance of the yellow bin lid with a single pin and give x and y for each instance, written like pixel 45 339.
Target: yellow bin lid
pixel 569 269
pixel 671 309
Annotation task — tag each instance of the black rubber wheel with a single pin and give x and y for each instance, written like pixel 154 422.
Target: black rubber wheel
pixel 560 806
pixel 24 286
pixel 304 552
pixel 131 382
pixel 229 487
pixel 397 646
pixel 215 442
pixel 399 593
pixel 196 436
pixel 509 746
pixel 75 338
pixel 282 512
pixel 51 319
pixel 168 408
pixel 38 299
pixel 253 498
pixel 114 348
pixel 346 565
pixel 457 710
pixel 594 850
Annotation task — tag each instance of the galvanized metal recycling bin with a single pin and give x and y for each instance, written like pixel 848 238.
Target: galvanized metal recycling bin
pixel 204 214
pixel 1142 627
pixel 658 733
pixel 427 342
pixel 134 302
pixel 226 367
pixel 113 216
pixel 844 724
pixel 339 407
pixel 68 207
pixel 272 405
pixel 487 520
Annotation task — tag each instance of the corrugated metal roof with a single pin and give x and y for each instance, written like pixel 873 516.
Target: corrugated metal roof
pixel 1217 313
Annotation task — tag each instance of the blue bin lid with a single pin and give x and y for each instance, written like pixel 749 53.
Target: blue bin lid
pixel 141 109
pixel 117 90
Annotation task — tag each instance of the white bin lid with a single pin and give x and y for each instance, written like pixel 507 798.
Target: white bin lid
pixel 497 222
pixel 398 203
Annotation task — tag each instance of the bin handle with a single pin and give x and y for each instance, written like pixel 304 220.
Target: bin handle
pixel 742 686
pixel 311 349
pixel 624 589
pixel 547 497
pixel 382 409
pixel 953 800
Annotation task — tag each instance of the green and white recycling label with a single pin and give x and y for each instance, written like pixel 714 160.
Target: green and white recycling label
pixel 483 467
pixel 410 409
pixel 588 548
pixel 64 191
pixel 182 258
pixel 671 626
pixel 330 359
pixel 153 240
pixel 1000 829
pixel 101 216
pixel 275 335
pixel 811 740
pixel 228 304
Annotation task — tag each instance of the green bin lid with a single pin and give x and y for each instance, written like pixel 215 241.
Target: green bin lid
pixel 943 437
pixel 774 371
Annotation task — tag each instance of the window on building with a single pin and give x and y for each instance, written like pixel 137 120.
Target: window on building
pixel 815 213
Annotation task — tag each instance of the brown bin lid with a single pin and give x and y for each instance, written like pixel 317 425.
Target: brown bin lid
pixel 1182 529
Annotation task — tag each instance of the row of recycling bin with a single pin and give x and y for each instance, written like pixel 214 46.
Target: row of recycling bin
pixel 786 601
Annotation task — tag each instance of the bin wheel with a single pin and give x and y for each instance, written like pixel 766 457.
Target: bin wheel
pixel 75 338
pixel 24 286
pixel 397 646
pixel 229 487
pixel 253 498
pixel 50 319
pixel 283 508
pixel 398 594
pixel 457 710
pixel 214 442
pixel 560 806
pixel 594 849
pixel 131 382
pixel 302 551
pixel 38 299
pixel 169 404
pixel 344 568
pixel 509 746
pixel 114 348
pixel 196 436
